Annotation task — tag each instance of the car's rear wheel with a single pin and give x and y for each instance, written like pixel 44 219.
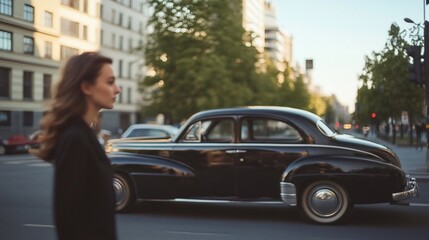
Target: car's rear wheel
pixel 125 196
pixel 324 202
pixel 2 150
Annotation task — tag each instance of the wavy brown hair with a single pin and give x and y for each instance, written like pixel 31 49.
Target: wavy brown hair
pixel 68 100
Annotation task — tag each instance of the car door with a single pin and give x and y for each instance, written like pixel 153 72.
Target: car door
pixel 266 147
pixel 207 148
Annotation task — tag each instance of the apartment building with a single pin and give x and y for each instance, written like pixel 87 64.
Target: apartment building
pixel 253 21
pixel 37 36
pixel 278 44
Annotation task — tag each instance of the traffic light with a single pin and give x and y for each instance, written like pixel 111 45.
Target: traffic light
pixel 373 115
pixel 415 68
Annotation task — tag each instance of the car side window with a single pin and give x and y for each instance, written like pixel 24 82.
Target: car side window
pixel 138 133
pixel 268 130
pixel 193 133
pixel 218 130
pixel 221 130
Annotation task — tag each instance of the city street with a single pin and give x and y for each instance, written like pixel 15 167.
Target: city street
pixel 26 212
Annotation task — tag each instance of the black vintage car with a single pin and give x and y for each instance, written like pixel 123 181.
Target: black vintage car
pixel 254 153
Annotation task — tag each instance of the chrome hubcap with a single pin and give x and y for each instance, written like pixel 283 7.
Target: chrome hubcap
pixel 325 202
pixel 120 190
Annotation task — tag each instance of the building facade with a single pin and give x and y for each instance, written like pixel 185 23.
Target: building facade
pixel 278 44
pixel 253 21
pixel 37 36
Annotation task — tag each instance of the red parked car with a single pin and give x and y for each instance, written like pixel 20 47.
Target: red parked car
pixel 14 144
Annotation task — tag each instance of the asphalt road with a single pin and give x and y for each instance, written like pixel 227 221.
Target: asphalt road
pixel 26 213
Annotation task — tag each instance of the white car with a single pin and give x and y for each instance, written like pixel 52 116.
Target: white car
pixel 150 130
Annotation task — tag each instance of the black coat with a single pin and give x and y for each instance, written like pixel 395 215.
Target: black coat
pixel 84 199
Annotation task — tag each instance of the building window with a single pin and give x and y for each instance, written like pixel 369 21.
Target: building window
pixel 113 40
pixel 129 95
pixel 4 82
pixel 130 23
pixel 6 7
pixel 130 44
pixel 130 69
pixel 120 68
pixel 28 13
pixel 5 118
pixel 28 45
pixel 48 50
pixel 100 14
pixel 48 19
pixel 28 118
pixel 66 52
pixel 120 95
pixel 141 7
pixel 121 42
pixel 85 6
pixel 5 40
pixel 47 81
pixel 28 85
pixel 120 19
pixel 69 28
pixel 71 3
pixel 101 37
pixel 113 15
pixel 85 32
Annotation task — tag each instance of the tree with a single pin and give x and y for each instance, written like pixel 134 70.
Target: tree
pixel 385 87
pixel 203 57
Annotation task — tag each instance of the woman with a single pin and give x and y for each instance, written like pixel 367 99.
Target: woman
pixel 84 200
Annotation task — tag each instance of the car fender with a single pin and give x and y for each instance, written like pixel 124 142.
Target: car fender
pixel 366 179
pixel 153 176
pixel 149 164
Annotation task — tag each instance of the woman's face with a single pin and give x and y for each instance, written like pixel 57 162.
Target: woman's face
pixel 103 93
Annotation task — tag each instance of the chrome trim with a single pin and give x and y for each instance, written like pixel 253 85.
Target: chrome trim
pixel 163 145
pixel 288 193
pixel 412 190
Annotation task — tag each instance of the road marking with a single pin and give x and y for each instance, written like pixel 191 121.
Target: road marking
pixel 419 204
pixel 38 225
pixel 421 177
pixel 19 161
pixel 17 157
pixel 42 164
pixel 198 233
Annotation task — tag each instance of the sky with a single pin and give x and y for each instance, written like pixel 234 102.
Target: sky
pixel 338 34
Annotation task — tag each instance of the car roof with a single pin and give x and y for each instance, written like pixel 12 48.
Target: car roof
pixel 148 125
pixel 262 110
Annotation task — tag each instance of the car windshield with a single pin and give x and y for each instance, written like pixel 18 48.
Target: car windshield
pixel 323 128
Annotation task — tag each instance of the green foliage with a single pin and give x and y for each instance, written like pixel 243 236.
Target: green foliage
pixel 202 58
pixel 385 88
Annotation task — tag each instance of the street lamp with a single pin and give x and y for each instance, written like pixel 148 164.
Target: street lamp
pixel 409 21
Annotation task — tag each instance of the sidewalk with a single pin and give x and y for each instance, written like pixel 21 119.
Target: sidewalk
pixel 415 161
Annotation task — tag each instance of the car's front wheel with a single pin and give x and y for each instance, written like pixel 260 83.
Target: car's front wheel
pixel 125 196
pixel 324 202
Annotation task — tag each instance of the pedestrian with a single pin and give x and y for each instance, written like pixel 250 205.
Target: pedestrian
pixel 84 198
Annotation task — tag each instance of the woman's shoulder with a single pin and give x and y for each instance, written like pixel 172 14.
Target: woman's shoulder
pixel 75 129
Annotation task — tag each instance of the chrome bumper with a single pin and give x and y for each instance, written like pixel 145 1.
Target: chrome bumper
pixel 411 191
pixel 288 193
